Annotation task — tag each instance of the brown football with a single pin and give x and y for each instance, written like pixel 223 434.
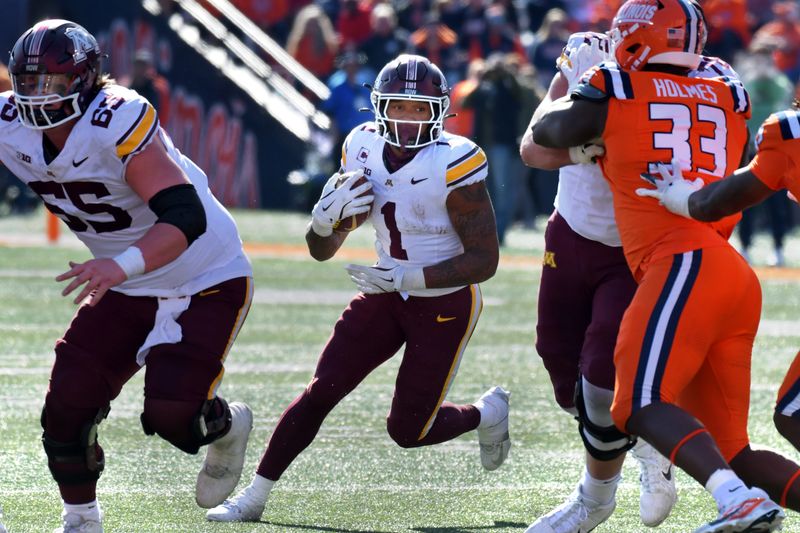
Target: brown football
pixel 352 222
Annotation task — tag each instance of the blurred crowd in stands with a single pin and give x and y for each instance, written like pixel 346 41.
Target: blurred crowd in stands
pixel 499 57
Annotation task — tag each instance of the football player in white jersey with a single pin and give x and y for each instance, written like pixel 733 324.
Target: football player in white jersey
pixel 585 288
pixel 169 285
pixel 436 240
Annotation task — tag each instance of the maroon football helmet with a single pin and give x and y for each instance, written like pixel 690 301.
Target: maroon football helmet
pixel 53 69
pixel 411 77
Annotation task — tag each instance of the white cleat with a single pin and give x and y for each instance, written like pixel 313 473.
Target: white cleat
pixel 493 435
pixel 75 523
pixel 754 512
pixel 244 507
pixel 657 494
pixel 576 515
pixel 222 467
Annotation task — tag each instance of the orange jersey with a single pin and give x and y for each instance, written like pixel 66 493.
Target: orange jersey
pixel 656 117
pixel 777 162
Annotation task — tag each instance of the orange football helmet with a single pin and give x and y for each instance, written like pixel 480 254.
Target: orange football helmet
pixel 672 32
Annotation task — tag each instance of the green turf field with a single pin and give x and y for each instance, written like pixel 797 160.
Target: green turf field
pixel 353 478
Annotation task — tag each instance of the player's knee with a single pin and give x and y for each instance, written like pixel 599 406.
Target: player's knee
pixel 187 425
pixel 601 437
pixel 403 431
pixel 79 460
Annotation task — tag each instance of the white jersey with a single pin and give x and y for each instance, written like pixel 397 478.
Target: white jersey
pixel 584 197
pixel 85 186
pixel 409 212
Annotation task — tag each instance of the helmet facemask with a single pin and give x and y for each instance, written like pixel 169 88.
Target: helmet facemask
pixel 37 98
pixel 394 131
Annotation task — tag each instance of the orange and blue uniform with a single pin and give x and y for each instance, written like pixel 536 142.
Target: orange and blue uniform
pixel 777 165
pixel 687 336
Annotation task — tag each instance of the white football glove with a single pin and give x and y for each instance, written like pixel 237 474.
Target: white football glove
pixel 387 276
pixel 579 56
pixel 339 203
pixel 586 154
pixel 672 190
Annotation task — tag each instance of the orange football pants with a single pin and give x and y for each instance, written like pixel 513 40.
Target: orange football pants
pixel 789 393
pixel 686 339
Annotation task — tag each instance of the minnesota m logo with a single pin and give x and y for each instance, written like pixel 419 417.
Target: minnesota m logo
pixel 549 259
pixel 82 43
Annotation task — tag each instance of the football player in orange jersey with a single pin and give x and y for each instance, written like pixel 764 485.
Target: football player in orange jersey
pixel 685 342
pixel 775 166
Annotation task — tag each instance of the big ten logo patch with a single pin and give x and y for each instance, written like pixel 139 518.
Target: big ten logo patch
pixel 363 154
pixel 549 259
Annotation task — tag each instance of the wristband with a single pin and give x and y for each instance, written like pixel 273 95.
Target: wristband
pixel 131 261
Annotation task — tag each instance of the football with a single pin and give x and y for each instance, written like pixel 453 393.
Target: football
pixel 352 222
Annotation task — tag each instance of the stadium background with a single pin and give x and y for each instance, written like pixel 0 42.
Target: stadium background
pixel 245 111
pixel 261 92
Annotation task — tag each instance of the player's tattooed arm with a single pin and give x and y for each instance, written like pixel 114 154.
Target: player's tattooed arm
pixel 472 216
pixel 323 248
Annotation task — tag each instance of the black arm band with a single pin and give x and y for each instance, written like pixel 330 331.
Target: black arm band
pixel 180 206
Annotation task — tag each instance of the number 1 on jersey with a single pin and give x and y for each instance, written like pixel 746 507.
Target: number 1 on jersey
pixel 395 245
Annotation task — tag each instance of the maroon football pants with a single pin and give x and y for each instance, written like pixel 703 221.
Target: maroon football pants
pixel 584 291
pixel 97 356
pixel 370 331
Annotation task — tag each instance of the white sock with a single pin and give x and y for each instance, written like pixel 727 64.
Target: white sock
pixel 90 511
pixel 600 491
pixel 260 488
pixel 725 486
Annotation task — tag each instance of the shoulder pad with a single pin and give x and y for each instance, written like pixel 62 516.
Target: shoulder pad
pixel 126 118
pixel 466 162
pixel 741 98
pixel 778 127
pixel 8 111
pixel 712 67
pixel 361 129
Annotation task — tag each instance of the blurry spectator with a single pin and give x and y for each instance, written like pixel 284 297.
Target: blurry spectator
pixel 498 37
pixel 142 77
pixel 353 22
pixel 784 32
pixel 437 42
pixel 348 96
pixel 770 91
pixel 497 102
pixel 413 13
pixel 474 25
pixel 512 14
pixel 451 13
pixel 146 81
pixel 313 41
pixel 387 40
pixel 269 15
pixel 537 9
pixel 5 79
pixel 603 14
pixel 547 44
pixel 463 123
pixel 536 187
pixel 728 27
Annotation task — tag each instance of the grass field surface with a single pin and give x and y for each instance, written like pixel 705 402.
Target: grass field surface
pixel 353 478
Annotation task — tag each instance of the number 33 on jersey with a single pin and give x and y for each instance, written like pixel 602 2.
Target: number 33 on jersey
pixel 409 212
